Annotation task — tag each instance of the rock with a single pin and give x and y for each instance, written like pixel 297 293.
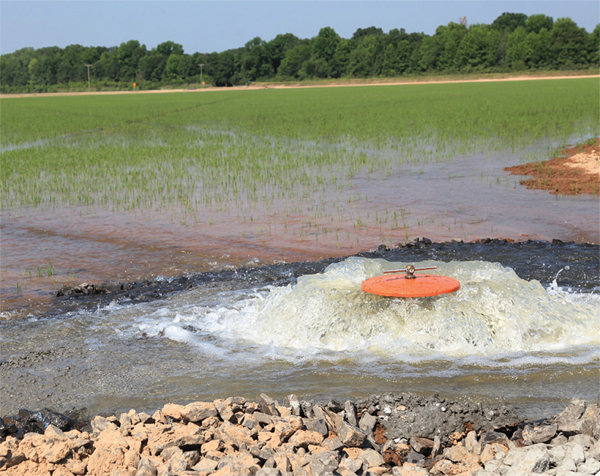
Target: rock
pixel 539 434
pixel 575 452
pixel 372 458
pixel 263 418
pixel 409 471
pixel 146 468
pixel 303 438
pixel 198 411
pixel 62 471
pixel 99 424
pixel 414 458
pixel 172 410
pixel 437 446
pixel 459 454
pixel 77 467
pixel 268 472
pixel 422 445
pixel 52 430
pixel 268 405
pixel 249 421
pixel 131 459
pixel 240 463
pixel 294 404
pixel 282 462
pixel 490 437
pixel 159 417
pixel 584 425
pixel 316 424
pixel 235 438
pixel 495 451
pixel 57 452
pixel 225 411
pixel 591 466
pixel 286 427
pixel 237 435
pixel 367 423
pixel 351 465
pixel 104 461
pixel 206 465
pixel 572 412
pixel 532 459
pixel 332 444
pixel 350 412
pixel 350 436
pixel 321 414
pixel 471 441
pixel 180 435
pixel 29 468
pixel 323 464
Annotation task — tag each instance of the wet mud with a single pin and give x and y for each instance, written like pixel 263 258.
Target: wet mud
pixel 573 172
pixel 577 263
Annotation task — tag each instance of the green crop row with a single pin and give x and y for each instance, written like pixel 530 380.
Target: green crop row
pixel 236 151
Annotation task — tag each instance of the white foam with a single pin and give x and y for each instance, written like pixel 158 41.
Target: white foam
pixel 496 319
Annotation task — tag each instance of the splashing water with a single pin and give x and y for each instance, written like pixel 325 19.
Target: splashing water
pixel 494 313
pixel 499 336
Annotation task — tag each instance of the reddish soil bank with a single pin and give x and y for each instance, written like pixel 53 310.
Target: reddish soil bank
pixel 575 171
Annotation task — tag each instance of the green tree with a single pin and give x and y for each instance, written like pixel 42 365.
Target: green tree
pixel 295 57
pixel 169 47
pixel 594 45
pixel 449 39
pixel 568 44
pixel 221 67
pixel 254 63
pixel 538 48
pixel 14 69
pixel 325 44
pixel 176 68
pixel 152 66
pixel 128 55
pixel 427 57
pixel 371 31
pixel 341 57
pixel 509 22
pixel 479 48
pixel 277 48
pixel 362 61
pixel 517 51
pixel 536 22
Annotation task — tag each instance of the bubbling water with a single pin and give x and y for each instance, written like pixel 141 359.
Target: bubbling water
pixel 495 313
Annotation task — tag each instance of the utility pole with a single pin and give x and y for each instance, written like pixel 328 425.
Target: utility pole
pixel 201 64
pixel 89 86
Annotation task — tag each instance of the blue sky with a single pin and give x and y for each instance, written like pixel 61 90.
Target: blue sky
pixel 207 26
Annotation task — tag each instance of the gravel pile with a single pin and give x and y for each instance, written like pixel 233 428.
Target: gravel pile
pixel 389 434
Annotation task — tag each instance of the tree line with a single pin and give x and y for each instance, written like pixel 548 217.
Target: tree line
pixel 512 42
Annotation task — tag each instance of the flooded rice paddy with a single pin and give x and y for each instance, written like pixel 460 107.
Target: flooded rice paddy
pixel 464 199
pixel 236 211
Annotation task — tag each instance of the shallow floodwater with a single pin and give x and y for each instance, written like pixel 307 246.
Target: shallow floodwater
pixel 466 198
pixel 499 338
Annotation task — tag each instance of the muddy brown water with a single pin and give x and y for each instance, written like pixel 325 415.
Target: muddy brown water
pixel 524 332
pixel 464 199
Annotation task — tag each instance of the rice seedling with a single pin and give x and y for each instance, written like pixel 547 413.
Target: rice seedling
pixel 238 157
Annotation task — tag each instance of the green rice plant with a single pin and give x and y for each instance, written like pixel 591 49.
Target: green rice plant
pixel 237 155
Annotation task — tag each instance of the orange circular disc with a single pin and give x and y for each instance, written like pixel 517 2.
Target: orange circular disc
pixel 396 285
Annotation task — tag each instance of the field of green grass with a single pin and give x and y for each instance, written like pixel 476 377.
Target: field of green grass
pixel 223 148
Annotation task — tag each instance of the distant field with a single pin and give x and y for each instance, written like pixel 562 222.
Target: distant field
pixel 247 146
